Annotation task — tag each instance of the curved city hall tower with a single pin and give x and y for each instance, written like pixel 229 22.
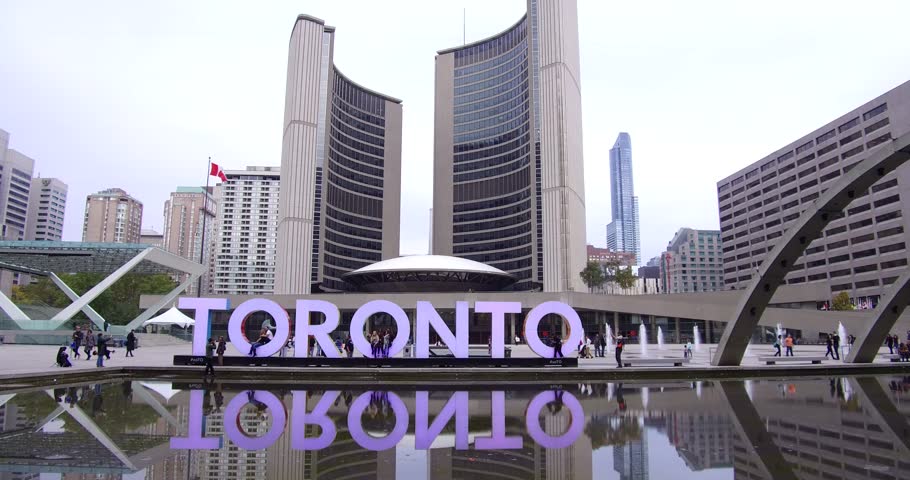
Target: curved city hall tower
pixel 508 187
pixel 340 170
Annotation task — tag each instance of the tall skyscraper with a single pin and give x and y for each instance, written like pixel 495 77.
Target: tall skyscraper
pixel 623 232
pixel 864 250
pixel 508 186
pixel 630 460
pixel 46 208
pixel 340 169
pixel 246 226
pixel 15 187
pixel 112 216
pixel 185 214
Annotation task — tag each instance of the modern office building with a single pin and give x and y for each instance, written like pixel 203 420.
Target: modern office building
pixel 704 440
pixel 46 209
pixel 623 233
pixel 246 226
pixel 189 212
pixel 508 185
pixel 112 216
pixel 693 262
pixel 861 253
pixel 340 169
pixel 630 460
pixel 15 186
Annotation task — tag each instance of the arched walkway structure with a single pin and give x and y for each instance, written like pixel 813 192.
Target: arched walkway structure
pixel 808 226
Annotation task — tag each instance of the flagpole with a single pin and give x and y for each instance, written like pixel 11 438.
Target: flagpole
pixel 205 201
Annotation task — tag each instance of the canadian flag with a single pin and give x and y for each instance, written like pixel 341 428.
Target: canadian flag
pixel 218 172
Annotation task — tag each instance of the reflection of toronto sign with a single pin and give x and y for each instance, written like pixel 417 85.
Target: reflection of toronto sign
pixel 426 317
pixel 425 431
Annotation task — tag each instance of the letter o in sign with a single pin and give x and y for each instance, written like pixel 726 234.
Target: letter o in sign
pixel 576 332
pixel 282 326
pixel 380 306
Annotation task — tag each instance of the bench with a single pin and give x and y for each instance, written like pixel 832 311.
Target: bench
pixel 478 352
pixel 772 360
pixel 650 362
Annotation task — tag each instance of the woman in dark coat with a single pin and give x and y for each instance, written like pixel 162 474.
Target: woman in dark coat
pixel 130 344
pixel 62 358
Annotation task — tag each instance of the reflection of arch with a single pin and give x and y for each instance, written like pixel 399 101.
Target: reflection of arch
pixel 875 402
pixel 749 426
pixel 809 226
pixel 879 325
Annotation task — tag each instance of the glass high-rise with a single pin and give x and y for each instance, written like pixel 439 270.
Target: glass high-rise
pixel 623 232
pixel 508 170
pixel 340 169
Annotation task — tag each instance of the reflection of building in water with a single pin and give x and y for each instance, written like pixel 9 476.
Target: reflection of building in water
pixel 529 462
pixel 231 461
pixel 13 418
pixel 631 459
pixel 702 440
pixel 344 458
pixel 823 435
pixel 285 462
pixel 175 463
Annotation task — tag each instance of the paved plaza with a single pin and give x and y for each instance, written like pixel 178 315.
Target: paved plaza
pixel 32 359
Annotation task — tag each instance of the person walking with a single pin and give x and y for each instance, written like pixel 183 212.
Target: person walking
pixel 209 353
pixel 890 343
pixel 830 344
pixel 130 344
pixel 835 339
pixel 557 347
pixel 102 349
pixel 222 347
pixel 77 341
pixel 897 343
pixel 788 342
pixel 349 346
pixel 90 343
pixel 603 345
pixel 620 343
pixel 777 345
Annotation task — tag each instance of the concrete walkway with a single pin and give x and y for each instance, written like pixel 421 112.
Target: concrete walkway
pixel 34 359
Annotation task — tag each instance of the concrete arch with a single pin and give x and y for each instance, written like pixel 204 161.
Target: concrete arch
pixel 884 317
pixel 809 226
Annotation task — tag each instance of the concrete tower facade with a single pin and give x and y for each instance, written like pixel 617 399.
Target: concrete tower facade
pixel 112 216
pixel 46 208
pixel 340 169
pixel 508 187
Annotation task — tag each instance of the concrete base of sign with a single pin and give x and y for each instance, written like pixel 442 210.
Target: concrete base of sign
pixel 791 359
pixel 393 362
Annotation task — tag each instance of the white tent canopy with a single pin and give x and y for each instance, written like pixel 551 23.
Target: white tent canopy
pixel 171 317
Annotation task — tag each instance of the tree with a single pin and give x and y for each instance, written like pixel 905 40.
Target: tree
pixel 610 268
pixel 118 304
pixel 842 302
pixel 625 278
pixel 592 276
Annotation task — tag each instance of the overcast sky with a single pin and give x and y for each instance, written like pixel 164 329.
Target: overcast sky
pixel 138 94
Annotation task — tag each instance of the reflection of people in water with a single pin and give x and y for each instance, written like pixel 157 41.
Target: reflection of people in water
pixel 97 402
pixel 72 396
pixel 251 397
pixel 556 405
pixel 620 401
pixel 219 397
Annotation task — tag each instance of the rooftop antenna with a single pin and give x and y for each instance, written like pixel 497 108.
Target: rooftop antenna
pixel 464 28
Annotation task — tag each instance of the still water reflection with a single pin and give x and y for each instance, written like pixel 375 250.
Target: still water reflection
pixel 782 428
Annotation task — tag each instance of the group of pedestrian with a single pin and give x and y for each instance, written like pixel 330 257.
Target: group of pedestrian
pixel 895 346
pixel 787 343
pixel 93 344
pixel 833 346
pixel 380 343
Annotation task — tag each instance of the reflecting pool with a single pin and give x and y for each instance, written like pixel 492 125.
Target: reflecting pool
pixel 831 427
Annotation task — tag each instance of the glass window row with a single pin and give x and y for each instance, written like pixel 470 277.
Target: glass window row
pixel 487 121
pixel 357 96
pixel 514 219
pixel 492 142
pixel 493 47
pixel 336 181
pixel 351 202
pixel 344 240
pixel 352 219
pixel 517 72
pixel 355 154
pixel 493 131
pixel 483 214
pixel 488 189
pixel 357 134
pixel 502 64
pixel 493 234
pixel 354 175
pixel 336 135
pixel 493 161
pixel 371 256
pixel 520 82
pixel 493 172
pixel 357 113
pixel 351 164
pixel 480 112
